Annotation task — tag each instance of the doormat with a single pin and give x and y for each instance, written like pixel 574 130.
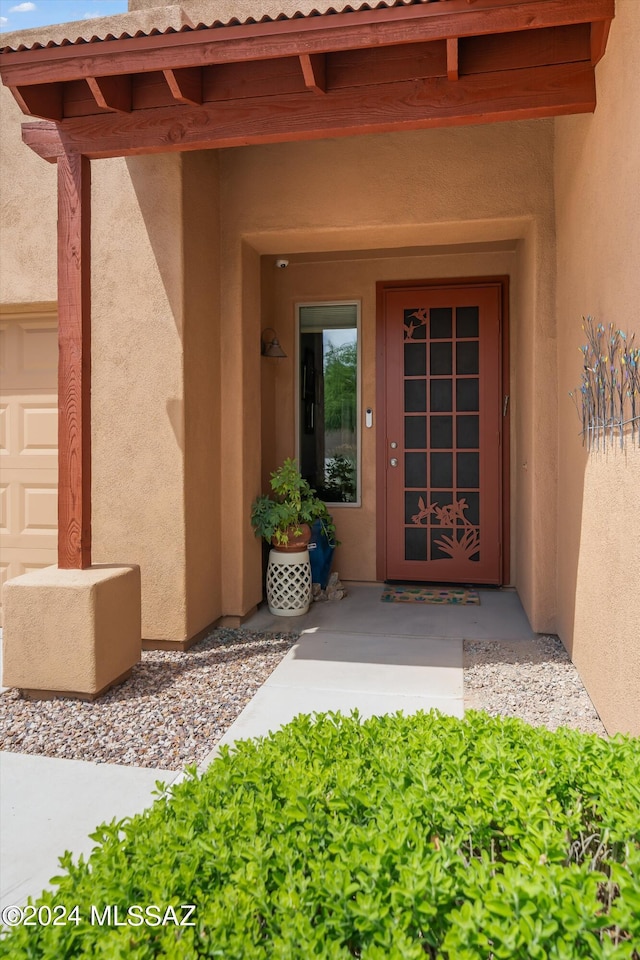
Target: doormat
pixel 400 593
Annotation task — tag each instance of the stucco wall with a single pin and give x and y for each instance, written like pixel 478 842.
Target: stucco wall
pixel 597 183
pixel 137 389
pixel 156 389
pixel 420 189
pixel 155 486
pixel 28 214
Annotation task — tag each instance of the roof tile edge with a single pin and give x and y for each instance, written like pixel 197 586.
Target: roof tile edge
pixel 154 21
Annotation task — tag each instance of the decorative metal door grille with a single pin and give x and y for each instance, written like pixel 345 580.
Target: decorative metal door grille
pixel 443 463
pixel 442 433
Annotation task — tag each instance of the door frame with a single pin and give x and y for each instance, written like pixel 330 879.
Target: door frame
pixel 382 286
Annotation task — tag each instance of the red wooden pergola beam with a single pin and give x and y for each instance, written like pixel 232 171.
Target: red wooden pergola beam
pixel 282 38
pixel 74 367
pixel 319 73
pixel 410 105
pixel 43 137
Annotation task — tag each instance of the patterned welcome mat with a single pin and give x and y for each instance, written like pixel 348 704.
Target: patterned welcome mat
pixel 401 593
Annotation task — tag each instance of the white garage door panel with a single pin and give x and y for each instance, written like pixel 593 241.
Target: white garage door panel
pixel 28 442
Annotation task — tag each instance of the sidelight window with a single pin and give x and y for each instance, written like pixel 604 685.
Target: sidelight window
pixel 329 399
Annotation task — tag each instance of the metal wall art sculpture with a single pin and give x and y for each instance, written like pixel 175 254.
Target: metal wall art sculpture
pixel 608 396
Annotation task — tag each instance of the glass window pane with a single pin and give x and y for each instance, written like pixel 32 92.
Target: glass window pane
pixel 442 432
pixel 415 469
pixel 441 324
pixel 415 544
pixel 467 395
pixel 415 359
pixel 441 395
pixel 442 470
pixel 329 399
pixel 468 431
pixel 467 357
pixel 466 321
pixel 415 396
pixel 415 433
pixel 441 359
pixel 468 469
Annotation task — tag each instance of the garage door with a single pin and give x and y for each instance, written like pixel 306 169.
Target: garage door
pixel 28 439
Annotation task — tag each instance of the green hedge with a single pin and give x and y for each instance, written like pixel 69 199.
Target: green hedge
pixel 396 837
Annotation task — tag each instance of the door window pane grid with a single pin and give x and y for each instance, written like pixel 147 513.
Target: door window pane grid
pixel 442 462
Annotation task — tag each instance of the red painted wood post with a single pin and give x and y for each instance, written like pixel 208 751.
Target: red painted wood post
pixel 74 362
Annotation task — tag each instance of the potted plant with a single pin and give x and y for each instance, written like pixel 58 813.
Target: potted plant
pixel 284 519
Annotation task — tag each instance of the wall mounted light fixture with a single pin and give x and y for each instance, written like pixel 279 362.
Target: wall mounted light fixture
pixel 270 345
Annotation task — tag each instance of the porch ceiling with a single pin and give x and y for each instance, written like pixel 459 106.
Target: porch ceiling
pixel 397 66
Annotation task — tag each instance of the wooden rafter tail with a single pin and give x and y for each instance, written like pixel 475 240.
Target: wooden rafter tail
pixel 74 362
pixel 452 59
pixel 530 94
pixel 112 93
pixel 40 100
pixel 314 71
pixel 599 35
pixel 185 84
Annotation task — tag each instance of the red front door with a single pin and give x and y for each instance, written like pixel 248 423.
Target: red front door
pixel 442 438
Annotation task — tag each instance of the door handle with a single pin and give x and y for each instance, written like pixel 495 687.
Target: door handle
pixel 393 462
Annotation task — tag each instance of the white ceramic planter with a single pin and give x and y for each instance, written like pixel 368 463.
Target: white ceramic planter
pixel 288 583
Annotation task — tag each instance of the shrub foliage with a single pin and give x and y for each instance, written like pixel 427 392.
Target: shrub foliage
pixel 390 839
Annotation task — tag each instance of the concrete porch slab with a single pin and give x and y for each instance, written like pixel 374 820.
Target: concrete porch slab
pixel 498 617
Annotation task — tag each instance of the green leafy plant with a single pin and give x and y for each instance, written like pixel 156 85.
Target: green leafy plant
pixel 340 474
pixel 401 837
pixel 293 504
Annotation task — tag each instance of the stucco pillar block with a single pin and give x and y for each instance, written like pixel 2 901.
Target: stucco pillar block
pixel 71 632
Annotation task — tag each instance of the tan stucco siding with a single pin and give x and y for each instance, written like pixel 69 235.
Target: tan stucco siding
pixel 137 389
pixel 156 416
pixel 421 189
pixel 597 182
pixel 28 214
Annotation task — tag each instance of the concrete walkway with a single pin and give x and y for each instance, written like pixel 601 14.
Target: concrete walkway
pixel 48 806
pixel 376 657
pixel 357 652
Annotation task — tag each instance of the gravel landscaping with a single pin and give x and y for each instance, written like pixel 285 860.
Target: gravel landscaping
pixel 172 711
pixel 176 706
pixel 531 679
